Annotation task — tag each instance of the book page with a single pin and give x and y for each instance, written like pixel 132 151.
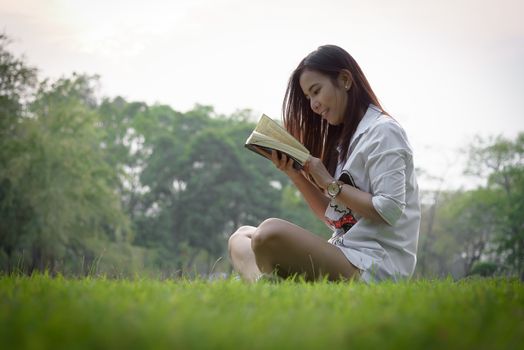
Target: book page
pixel 268 142
pixel 269 127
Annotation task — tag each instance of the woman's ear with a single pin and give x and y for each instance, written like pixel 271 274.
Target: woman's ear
pixel 345 79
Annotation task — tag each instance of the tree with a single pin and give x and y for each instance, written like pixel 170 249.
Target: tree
pixel 480 229
pixel 56 194
pixel 439 251
pixel 17 83
pixel 501 162
pixel 473 219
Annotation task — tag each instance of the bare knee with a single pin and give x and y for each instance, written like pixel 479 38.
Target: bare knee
pixel 241 233
pixel 267 234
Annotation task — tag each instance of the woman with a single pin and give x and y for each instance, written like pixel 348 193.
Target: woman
pixel 360 180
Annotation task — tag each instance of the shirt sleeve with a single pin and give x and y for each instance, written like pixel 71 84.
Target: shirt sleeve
pixel 389 154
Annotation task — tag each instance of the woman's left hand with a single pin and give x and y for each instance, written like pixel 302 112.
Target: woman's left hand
pixel 318 171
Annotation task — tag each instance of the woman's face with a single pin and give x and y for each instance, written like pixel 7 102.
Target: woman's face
pixel 326 99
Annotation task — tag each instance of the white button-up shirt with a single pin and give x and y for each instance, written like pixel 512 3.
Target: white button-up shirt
pixel 381 163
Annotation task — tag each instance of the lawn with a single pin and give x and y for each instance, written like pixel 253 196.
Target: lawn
pixel 40 312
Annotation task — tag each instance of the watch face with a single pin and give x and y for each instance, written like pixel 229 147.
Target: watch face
pixel 333 189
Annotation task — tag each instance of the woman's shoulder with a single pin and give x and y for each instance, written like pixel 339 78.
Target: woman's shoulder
pixel 389 131
pixel 387 122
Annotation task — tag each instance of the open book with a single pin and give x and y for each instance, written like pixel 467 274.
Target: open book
pixel 269 135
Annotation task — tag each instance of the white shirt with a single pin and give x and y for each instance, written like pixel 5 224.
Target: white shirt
pixel 381 163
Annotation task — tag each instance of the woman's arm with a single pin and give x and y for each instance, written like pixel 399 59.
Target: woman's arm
pixel 355 199
pixel 359 202
pixel 316 200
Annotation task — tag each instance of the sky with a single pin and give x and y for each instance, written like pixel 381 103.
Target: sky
pixel 446 70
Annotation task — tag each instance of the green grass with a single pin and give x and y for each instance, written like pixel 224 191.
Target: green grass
pixel 41 312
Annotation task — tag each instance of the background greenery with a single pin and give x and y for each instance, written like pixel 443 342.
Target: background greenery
pixel 96 185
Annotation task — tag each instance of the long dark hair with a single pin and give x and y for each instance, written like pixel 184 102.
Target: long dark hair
pixel 320 138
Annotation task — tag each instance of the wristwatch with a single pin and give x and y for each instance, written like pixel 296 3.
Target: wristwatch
pixel 334 188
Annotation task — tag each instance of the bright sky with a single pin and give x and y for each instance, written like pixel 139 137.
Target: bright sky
pixel 446 70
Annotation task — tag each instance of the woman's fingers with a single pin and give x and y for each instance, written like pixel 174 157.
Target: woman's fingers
pixel 306 164
pixel 289 164
pixel 315 168
pixel 283 163
pixel 274 158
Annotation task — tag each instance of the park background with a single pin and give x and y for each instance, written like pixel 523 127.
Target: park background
pixel 122 127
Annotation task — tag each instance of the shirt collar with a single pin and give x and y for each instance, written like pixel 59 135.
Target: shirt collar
pixel 372 113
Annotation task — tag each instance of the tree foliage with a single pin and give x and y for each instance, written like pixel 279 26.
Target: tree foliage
pixel 501 161
pixel 56 196
pixel 481 230
pixel 111 185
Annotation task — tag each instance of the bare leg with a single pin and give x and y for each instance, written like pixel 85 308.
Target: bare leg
pixel 242 255
pixel 289 249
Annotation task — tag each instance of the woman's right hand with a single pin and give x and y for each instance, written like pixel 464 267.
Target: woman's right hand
pixel 285 164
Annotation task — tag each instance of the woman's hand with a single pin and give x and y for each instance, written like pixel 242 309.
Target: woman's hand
pixel 314 197
pixel 318 171
pixel 285 164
